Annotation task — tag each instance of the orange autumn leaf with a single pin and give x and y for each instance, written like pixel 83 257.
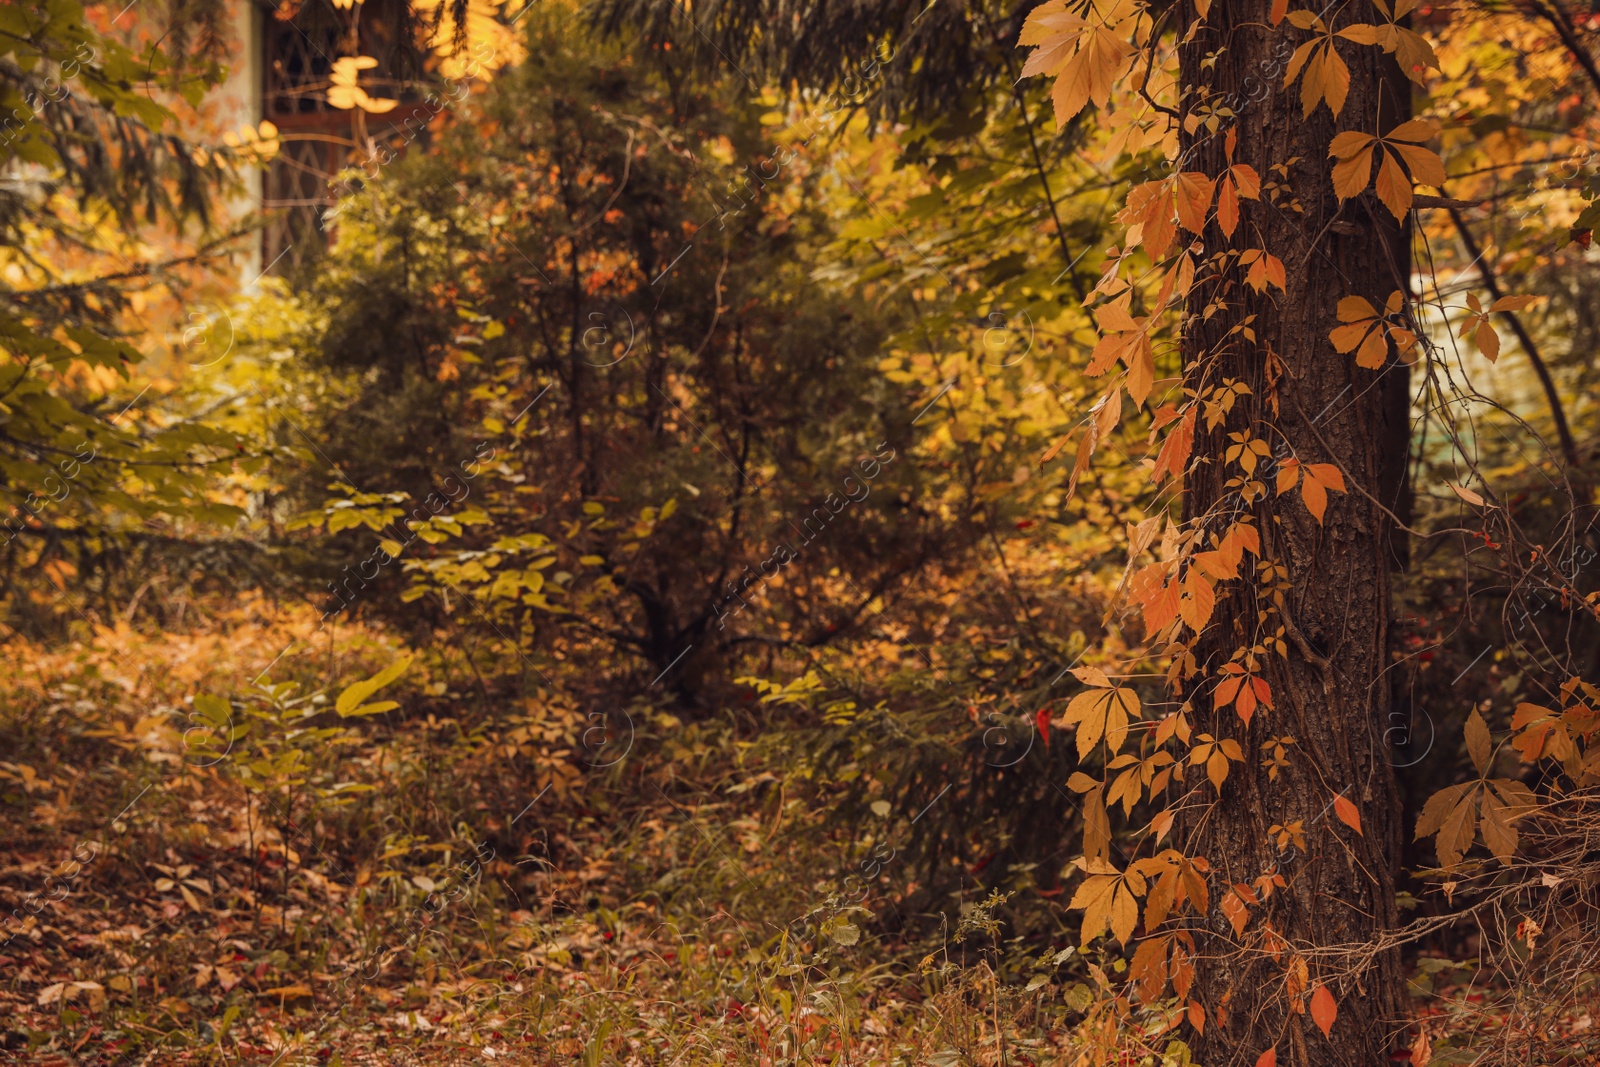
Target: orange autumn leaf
pixel 1315 480
pixel 1084 57
pixel 1194 191
pixel 1324 1009
pixel 1354 151
pixel 1367 332
pixel 1347 813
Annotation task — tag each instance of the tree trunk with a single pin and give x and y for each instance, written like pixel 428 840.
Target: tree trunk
pixel 1329 688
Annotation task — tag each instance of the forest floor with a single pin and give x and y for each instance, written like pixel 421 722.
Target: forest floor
pixel 438 887
pixel 447 884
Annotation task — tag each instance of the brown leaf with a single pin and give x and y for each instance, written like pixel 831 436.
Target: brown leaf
pixel 1455 836
pixel 1478 743
pixel 1498 833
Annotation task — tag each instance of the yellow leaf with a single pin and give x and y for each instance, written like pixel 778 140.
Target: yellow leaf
pixel 1424 163
pixel 286 992
pixel 1141 371
pixel 356 692
pixel 1330 476
pixel 1355 309
pixel 1198 602
pixel 1087 75
pixel 1233 906
pixel 1102 713
pixel 1096 825
pixel 1055 30
pixel 1326 78
pixel 1354 169
pixel 1455 835
pixel 1094 896
pixel 1297 61
pixel 1124 914
pixel 1315 497
pixel 1373 352
pixel 1092 676
pixel 1217 768
pixel 1361 33
pixel 1394 188
pixel 1413 130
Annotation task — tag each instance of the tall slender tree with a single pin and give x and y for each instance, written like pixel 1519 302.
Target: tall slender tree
pixel 1314 611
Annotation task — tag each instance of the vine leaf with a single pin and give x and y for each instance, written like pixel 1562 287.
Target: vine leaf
pixel 1084 58
pixel 1345 809
pixel 1354 151
pixel 1326 75
pixel 1477 323
pixel 1198 601
pixel 351 700
pixel 1448 816
pixel 1194 190
pixel 1174 454
pixel 1478 744
pixel 1240 179
pixel 1243 690
pixel 1215 755
pixel 1315 479
pixel 1540 732
pixel 1102 712
pixel 1451 816
pixel 1324 1009
pixel 1412 50
pixel 1149 216
pixel 1265 269
pixel 1367 332
pixel 1108 899
pixel 1158 598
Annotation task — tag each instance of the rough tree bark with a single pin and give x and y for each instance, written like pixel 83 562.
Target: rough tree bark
pixel 1330 692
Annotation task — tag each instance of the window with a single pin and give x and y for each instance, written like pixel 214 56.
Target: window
pixel 300 42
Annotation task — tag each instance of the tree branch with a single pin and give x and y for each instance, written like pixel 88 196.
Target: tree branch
pixel 1569 447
